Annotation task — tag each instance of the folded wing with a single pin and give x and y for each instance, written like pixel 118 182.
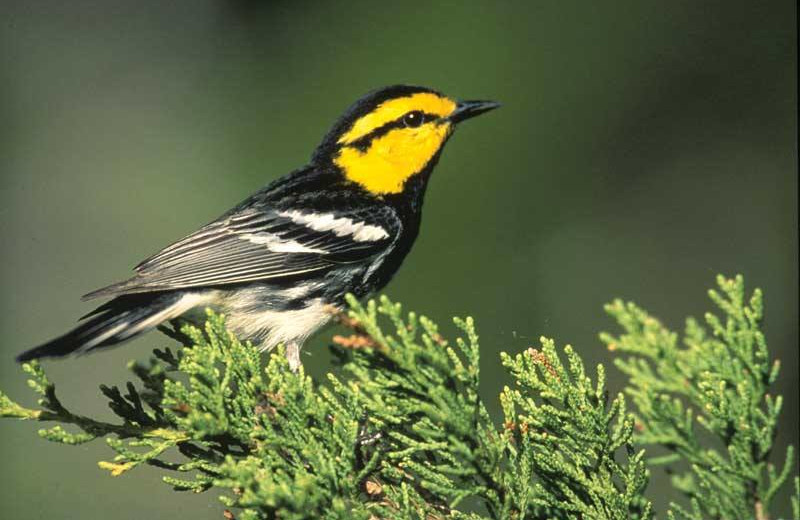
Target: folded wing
pixel 254 245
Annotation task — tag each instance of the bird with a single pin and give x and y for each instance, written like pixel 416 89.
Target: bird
pixel 280 264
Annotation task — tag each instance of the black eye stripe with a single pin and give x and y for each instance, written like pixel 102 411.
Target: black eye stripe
pixel 363 142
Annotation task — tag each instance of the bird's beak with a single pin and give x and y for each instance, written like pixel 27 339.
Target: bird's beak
pixel 467 109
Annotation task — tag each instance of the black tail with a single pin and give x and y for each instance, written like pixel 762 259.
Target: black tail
pixel 113 322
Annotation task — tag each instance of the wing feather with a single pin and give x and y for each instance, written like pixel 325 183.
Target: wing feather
pixel 255 245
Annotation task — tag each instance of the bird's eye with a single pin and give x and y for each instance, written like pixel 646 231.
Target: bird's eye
pixel 413 119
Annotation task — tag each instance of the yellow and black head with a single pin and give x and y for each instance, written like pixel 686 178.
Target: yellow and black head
pixel 392 135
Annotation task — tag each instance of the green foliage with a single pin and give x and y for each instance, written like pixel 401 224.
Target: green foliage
pixel 712 385
pixel 565 439
pixel 399 430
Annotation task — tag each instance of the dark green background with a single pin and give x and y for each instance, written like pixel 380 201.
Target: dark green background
pixel 643 147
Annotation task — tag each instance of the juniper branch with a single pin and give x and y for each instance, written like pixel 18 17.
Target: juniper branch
pixel 400 431
pixel 717 381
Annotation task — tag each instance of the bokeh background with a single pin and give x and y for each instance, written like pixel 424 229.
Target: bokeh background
pixel 643 147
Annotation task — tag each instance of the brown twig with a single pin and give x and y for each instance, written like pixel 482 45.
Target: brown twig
pixel 354 341
pixel 361 339
pixel 761 513
pixel 542 360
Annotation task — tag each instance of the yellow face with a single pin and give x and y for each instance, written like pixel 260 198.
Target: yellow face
pixel 396 140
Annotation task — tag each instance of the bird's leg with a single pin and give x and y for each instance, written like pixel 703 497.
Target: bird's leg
pixel 293 355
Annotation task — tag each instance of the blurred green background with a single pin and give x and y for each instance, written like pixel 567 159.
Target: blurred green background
pixel 643 147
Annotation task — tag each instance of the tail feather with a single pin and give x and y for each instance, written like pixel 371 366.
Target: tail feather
pixel 110 290
pixel 116 321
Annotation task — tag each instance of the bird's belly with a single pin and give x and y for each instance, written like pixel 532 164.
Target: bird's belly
pixel 268 316
pixel 268 328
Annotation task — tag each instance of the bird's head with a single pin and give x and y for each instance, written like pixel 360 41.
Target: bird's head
pixel 393 134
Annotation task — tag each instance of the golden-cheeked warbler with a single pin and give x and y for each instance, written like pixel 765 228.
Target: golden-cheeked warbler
pixel 278 262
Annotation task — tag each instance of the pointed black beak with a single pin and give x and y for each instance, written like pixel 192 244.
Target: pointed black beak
pixel 467 109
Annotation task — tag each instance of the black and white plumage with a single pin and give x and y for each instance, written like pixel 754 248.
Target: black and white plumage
pixel 280 262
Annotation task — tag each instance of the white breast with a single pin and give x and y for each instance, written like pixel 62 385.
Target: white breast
pixel 268 328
